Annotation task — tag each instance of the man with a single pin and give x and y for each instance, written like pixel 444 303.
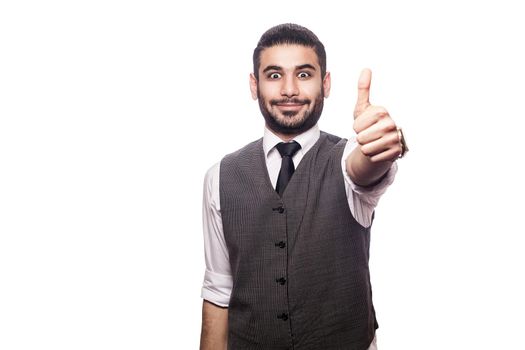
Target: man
pixel 287 255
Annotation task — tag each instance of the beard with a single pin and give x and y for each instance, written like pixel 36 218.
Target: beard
pixel 291 122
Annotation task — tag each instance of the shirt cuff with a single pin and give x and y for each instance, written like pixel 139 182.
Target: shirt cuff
pixel 366 194
pixel 217 288
pixel 377 189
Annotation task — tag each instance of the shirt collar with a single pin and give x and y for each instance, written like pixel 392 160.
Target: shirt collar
pixel 307 139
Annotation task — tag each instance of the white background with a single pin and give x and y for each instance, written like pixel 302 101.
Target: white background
pixel 112 111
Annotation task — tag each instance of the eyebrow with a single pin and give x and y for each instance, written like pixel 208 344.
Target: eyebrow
pixel 278 68
pixel 272 68
pixel 303 66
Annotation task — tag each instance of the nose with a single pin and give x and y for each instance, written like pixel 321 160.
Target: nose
pixel 289 87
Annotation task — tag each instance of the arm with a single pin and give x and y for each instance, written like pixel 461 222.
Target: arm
pixel 363 200
pixel 377 136
pixel 214 333
pixel 363 171
pixel 217 284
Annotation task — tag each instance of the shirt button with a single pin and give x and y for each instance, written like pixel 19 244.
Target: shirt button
pixel 280 244
pixel 283 316
pixel 281 280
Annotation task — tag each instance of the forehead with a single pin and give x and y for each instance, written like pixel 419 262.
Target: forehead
pixel 288 56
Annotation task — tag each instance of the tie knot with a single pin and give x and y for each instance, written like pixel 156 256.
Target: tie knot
pixel 288 149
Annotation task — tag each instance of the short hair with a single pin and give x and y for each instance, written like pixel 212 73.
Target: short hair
pixel 289 34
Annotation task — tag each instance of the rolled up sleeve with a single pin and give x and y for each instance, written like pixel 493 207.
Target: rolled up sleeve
pixel 363 200
pixel 217 284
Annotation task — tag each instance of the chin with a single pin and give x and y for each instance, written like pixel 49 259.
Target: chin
pixel 291 117
pixel 292 124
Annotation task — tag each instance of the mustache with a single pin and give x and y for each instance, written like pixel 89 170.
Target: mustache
pixel 290 100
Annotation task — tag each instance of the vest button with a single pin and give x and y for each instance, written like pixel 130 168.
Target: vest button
pixel 283 316
pixel 281 280
pixel 280 244
pixel 279 209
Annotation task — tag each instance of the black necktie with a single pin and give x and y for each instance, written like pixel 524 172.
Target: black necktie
pixel 287 151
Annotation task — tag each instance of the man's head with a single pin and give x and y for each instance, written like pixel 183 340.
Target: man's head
pixel 289 34
pixel 290 79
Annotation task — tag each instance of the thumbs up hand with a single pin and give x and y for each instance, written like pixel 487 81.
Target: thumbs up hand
pixel 377 133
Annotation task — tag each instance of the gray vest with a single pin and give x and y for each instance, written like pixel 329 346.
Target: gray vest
pixel 299 263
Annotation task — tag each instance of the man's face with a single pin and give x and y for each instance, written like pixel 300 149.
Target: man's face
pixel 290 88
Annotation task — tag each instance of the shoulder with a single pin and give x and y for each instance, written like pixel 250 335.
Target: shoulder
pixel 244 152
pixel 332 143
pixel 211 178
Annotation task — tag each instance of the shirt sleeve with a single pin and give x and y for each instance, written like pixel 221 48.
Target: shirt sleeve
pixel 217 284
pixel 363 200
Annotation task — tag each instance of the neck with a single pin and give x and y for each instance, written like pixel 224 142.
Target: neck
pixel 284 137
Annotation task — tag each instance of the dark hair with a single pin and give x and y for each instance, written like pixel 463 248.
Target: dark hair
pixel 289 34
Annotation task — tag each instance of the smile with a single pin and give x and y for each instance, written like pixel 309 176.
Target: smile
pixel 289 106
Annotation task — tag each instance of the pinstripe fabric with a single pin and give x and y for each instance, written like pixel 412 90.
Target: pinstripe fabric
pixel 299 263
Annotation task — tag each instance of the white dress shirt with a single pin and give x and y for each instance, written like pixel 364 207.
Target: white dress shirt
pixel 218 281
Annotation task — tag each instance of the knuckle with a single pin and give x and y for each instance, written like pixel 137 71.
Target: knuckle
pixel 395 151
pixel 389 124
pixel 399 150
pixel 380 110
pixel 394 139
pixel 366 150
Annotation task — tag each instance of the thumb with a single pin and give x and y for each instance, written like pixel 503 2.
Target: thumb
pixel 363 92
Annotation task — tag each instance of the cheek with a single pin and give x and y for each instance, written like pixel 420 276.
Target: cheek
pixel 268 89
pixel 312 89
pixel 267 93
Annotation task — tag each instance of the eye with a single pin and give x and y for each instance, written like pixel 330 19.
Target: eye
pixel 274 75
pixel 303 75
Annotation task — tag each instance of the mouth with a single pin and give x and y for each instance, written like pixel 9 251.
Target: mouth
pixel 289 106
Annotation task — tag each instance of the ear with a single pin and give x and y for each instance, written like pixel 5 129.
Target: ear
pixel 253 86
pixel 327 83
